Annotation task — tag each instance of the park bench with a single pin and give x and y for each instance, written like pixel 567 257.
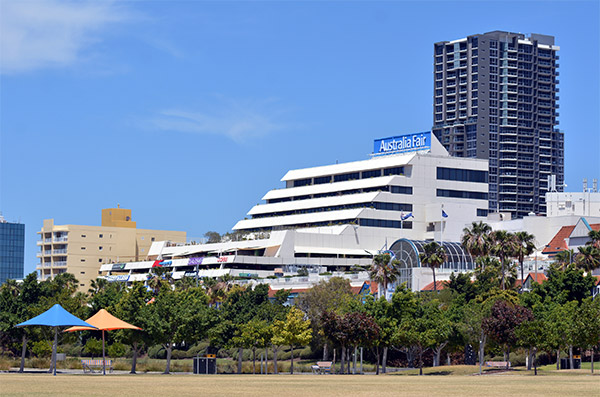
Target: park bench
pixel 497 364
pixel 90 365
pixel 322 367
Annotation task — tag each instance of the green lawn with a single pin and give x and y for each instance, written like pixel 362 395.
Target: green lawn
pixel 12 384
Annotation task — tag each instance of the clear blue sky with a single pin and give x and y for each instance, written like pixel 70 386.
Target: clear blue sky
pixel 187 112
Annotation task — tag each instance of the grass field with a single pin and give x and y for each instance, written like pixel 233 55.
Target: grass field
pixel 12 384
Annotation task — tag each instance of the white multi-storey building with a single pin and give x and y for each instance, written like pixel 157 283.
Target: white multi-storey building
pixel 336 217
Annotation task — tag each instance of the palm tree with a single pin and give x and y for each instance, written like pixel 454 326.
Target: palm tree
pixel 504 248
pixel 524 245
pixel 594 236
pixel 383 271
pixel 588 258
pixel 476 239
pixel 433 256
pixel 564 258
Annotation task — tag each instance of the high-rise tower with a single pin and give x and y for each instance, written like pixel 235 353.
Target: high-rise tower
pixel 495 97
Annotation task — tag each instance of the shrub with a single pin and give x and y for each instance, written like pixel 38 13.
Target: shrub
pixel 117 349
pixel 93 347
pixel 157 351
pixel 41 349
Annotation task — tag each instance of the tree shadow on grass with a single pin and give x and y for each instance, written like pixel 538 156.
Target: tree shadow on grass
pixel 439 373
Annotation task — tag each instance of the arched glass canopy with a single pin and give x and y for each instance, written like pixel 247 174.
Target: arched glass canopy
pixel 407 253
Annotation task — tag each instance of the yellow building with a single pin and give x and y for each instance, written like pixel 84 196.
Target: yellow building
pixel 81 250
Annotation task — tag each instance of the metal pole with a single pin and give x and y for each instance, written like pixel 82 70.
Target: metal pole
pixel 54 349
pixel 103 356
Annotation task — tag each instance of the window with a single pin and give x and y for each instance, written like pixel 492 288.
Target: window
pixel 402 189
pixel 100 235
pixel 100 260
pixel 302 182
pixel 371 174
pixel 346 177
pixel 100 248
pixel 393 171
pixel 82 260
pixel 82 248
pixel 457 174
pixel 323 179
pixel 81 272
pixel 482 212
pixel 83 235
pixel 82 285
pixel 152 239
pixel 461 194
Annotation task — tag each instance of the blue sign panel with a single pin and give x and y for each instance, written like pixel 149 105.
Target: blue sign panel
pixel 403 143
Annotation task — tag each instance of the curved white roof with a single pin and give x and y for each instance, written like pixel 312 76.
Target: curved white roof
pixel 374 163
pixel 313 203
pixel 298 219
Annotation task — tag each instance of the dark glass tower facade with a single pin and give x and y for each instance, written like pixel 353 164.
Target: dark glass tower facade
pixel 12 250
pixel 496 97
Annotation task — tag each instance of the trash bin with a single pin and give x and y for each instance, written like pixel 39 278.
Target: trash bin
pixel 565 363
pixel 205 365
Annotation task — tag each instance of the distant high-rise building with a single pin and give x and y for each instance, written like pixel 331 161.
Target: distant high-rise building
pixel 12 250
pixel 495 97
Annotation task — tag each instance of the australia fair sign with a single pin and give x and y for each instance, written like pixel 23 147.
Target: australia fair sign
pixel 403 143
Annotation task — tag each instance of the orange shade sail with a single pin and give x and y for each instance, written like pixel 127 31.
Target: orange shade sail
pixel 103 321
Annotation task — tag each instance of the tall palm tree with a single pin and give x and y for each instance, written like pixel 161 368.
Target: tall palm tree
pixel 564 258
pixel 476 239
pixel 588 258
pixel 433 256
pixel 504 248
pixel 383 271
pixel 524 246
pixel 594 236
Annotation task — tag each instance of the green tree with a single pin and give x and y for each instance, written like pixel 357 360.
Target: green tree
pixel 461 285
pixel 588 258
pixel 564 258
pixel 253 334
pixel 174 317
pixel 476 239
pixel 425 330
pixel 212 237
pixel 532 335
pixel 133 309
pixel 524 246
pixel 333 295
pixel 383 271
pixel 433 256
pixel 588 325
pixel 503 247
pixel 565 285
pixel 381 311
pixel 295 331
pixel 93 347
pixel 594 236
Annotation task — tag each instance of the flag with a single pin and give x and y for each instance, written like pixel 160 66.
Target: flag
pixel 444 215
pixel 405 217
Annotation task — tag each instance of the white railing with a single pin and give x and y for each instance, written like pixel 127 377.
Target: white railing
pixel 59 251
pixel 61 263
pixel 58 239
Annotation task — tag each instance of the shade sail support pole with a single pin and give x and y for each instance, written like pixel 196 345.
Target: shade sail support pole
pixel 54 349
pixel 103 356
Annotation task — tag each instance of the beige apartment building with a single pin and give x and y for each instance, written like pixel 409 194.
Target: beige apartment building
pixel 81 250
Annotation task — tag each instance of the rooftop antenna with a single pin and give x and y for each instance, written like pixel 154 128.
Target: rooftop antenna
pixel 585 185
pixel 595 185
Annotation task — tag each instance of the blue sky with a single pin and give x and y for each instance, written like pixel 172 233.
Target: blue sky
pixel 187 112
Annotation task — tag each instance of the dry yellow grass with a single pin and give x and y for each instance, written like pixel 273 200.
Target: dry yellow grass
pixel 297 385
